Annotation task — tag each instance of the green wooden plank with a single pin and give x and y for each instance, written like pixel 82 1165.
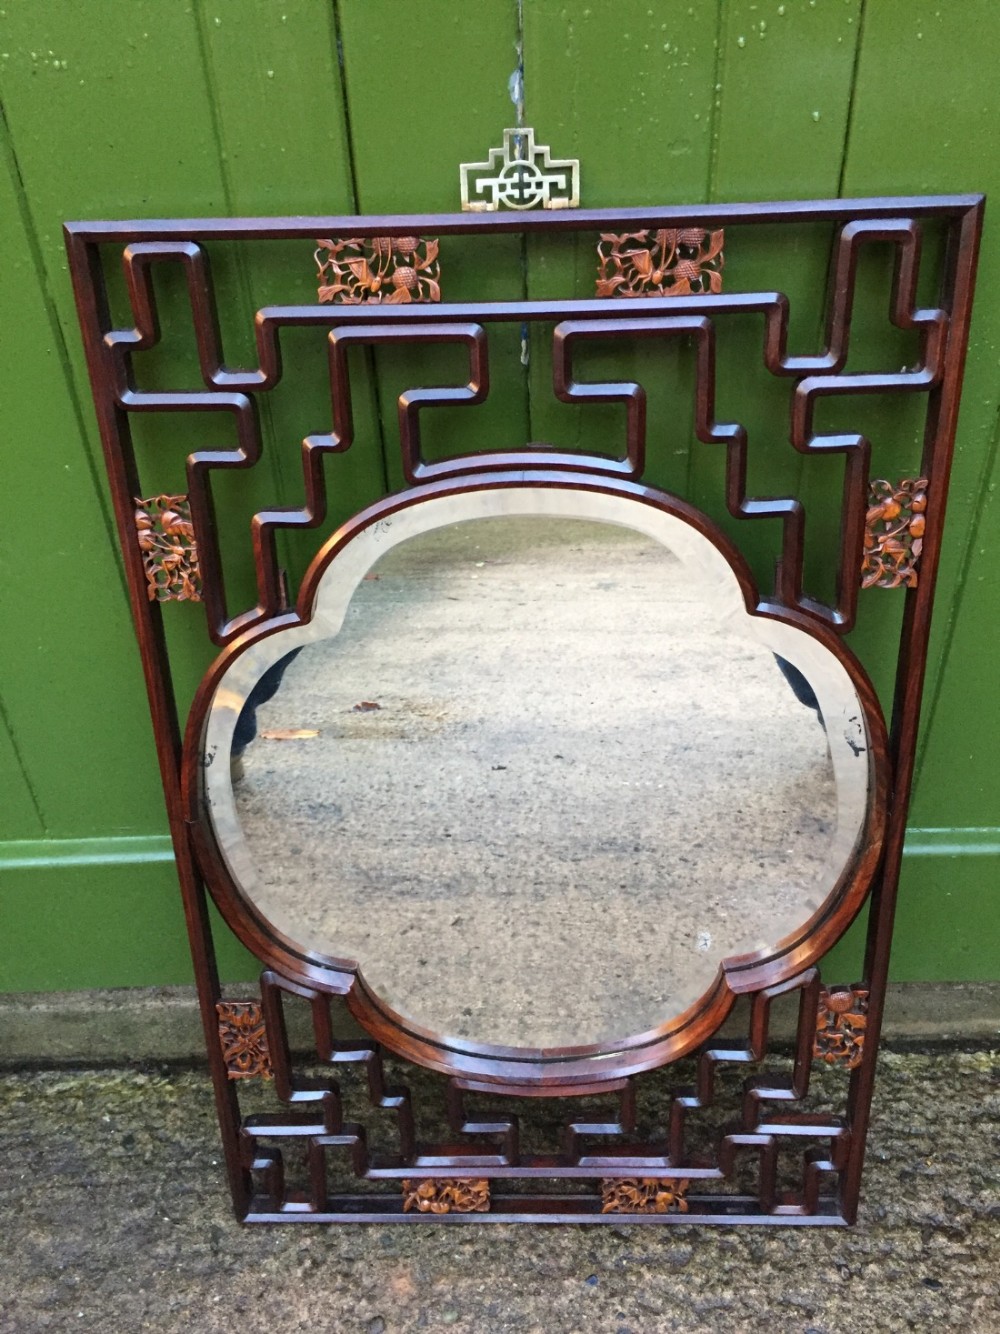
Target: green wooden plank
pixel 783 142
pixel 121 924
pixel 114 118
pixel 917 128
pixel 19 815
pixel 270 67
pixel 958 779
pixel 445 103
pixel 72 687
pixel 785 89
pixel 943 888
pixel 628 90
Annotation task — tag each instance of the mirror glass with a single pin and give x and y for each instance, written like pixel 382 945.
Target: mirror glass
pixel 542 779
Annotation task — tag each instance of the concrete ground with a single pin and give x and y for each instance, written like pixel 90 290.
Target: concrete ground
pixel 116 1218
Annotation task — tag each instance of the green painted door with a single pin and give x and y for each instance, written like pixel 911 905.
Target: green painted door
pixel 326 106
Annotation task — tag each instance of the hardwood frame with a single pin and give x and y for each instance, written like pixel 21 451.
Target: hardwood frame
pixel 554 1071
pixel 487 1150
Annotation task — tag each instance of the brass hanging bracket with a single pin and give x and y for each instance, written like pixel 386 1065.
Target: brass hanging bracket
pixel 520 174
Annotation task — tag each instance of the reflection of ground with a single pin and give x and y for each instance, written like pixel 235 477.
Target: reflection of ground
pixel 575 798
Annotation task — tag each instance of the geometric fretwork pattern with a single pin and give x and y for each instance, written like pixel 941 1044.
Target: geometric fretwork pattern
pixel 812 377
pixel 328 1151
pixel 520 174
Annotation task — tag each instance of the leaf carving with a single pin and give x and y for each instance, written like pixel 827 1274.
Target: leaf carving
pixel 360 269
pixel 665 262
pixel 394 270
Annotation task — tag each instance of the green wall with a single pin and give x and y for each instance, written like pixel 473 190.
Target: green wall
pixel 155 108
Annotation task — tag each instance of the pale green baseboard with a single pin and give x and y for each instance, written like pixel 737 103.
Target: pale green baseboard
pixel 98 912
pixel 43 853
pixel 106 912
pixel 973 841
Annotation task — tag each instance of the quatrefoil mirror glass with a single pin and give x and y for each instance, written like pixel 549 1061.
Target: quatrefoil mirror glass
pixel 535 773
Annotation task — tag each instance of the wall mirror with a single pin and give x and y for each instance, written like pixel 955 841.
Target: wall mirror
pixel 507 748
pixel 539 758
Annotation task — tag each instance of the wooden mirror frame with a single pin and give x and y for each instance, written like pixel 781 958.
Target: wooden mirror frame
pixel 555 1071
pixel 892 531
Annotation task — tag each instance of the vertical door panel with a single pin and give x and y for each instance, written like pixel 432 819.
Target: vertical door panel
pixel 925 121
pixel 427 91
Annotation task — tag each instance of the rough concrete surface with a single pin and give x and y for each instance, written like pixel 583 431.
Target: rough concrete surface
pixel 116 1218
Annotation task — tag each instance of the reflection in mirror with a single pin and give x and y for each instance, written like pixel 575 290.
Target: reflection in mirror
pixel 542 781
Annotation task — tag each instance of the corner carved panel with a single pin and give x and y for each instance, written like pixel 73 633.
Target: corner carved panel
pixel 372 270
pixel 667 262
pixel 643 1195
pixel 841 1022
pixel 446 1196
pixel 244 1039
pixel 169 551
pixel 894 533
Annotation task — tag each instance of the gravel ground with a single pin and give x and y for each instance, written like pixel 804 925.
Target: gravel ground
pixel 116 1217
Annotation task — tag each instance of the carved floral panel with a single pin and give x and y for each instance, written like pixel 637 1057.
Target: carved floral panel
pixel 667 262
pixel 169 551
pixel 445 1196
pixel 394 270
pixel 244 1039
pixel 841 1022
pixel 894 533
pixel 643 1195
